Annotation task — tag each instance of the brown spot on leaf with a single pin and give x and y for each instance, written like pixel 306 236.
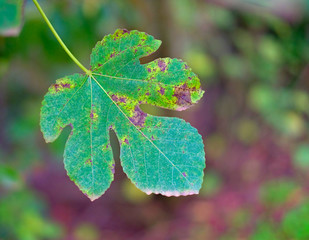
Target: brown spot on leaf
pixel 183 95
pixel 60 86
pixel 56 87
pixel 139 117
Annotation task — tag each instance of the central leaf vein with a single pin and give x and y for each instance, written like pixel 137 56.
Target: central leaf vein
pixel 91 123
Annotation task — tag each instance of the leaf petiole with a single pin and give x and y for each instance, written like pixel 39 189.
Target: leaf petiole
pixel 88 72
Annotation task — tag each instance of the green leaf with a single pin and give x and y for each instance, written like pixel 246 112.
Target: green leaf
pixel 295 223
pixel 301 156
pixel 11 14
pixel 277 192
pixel 160 155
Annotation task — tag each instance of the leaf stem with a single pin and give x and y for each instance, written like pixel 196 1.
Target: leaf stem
pixel 88 72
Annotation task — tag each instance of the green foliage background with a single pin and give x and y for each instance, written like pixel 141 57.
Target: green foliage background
pixel 252 58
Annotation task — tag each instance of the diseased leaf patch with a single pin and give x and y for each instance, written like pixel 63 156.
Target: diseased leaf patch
pixel 160 155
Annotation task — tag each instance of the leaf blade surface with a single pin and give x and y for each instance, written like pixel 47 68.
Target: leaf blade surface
pixel 159 154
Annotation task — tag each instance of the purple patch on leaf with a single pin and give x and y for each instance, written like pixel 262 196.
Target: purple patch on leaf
pixel 139 117
pixel 113 168
pixel 115 98
pixel 118 99
pixel 147 93
pixel 162 91
pixel 66 85
pixel 60 86
pixel 56 86
pixel 149 69
pixel 184 174
pixel 89 162
pixel 183 95
pixel 162 65
pixel 126 141
pixel 122 99
pixel 112 55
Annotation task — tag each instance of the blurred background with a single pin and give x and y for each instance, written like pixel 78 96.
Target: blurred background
pixel 252 58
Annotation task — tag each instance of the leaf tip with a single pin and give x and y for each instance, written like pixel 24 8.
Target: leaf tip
pixel 48 139
pixel 93 197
